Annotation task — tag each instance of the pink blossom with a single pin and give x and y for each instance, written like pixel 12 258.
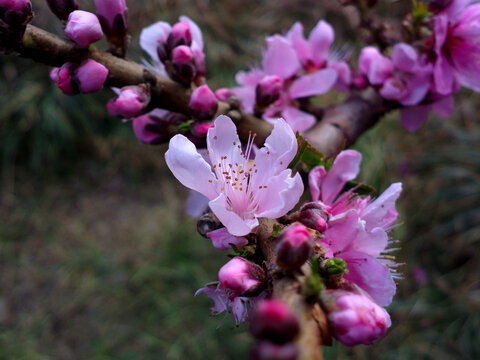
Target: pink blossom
pixel 223 240
pixel 84 28
pixel 241 276
pixel 131 101
pixel 356 229
pixel 358 320
pixel 457 48
pixel 240 190
pixel 154 40
pixel 91 76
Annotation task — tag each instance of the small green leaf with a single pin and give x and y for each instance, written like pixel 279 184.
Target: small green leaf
pixel 185 127
pixel 277 229
pixel 307 154
pixel 336 266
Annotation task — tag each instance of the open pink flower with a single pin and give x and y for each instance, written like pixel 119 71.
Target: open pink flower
pixel 240 190
pixel 357 228
pixel 457 48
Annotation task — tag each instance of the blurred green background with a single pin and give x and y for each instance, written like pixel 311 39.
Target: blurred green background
pixel 98 261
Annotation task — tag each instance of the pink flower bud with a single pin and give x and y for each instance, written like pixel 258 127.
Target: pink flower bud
pixel 15 12
pixel 314 216
pixel 224 94
pixel 294 247
pixel 131 102
pixel 203 103
pixel 437 6
pixel 360 82
pixel 265 350
pixel 201 129
pixel 182 55
pixel 83 28
pixel 157 127
pixel 273 320
pixel 113 18
pixel 357 319
pixel 268 90
pixel 91 76
pixel 64 78
pixel 241 276
pixel 62 8
pixel 180 35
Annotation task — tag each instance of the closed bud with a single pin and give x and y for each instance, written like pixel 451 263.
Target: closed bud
pixel 182 55
pixel 355 318
pixel 131 101
pixel 91 76
pixel 203 103
pixel 113 18
pixel 272 320
pixel 314 216
pixel 437 6
pixel 62 8
pixel 183 65
pixel 268 90
pixel 16 13
pixel 265 350
pixel 201 129
pixel 241 277
pixel 157 126
pixel 180 35
pixel 359 82
pixel 64 78
pixel 83 28
pixel 294 248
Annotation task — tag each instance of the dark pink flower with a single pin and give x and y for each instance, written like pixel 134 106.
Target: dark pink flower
pixel 91 76
pixel 241 276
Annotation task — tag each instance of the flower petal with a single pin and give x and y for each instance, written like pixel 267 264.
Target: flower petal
pixel 298 120
pixel 315 178
pixel 280 58
pixel 345 168
pixel 299 43
pixel 444 107
pixel 320 39
pixel 404 57
pixel 378 213
pixel 222 239
pixel 189 167
pixel 222 140
pixel 232 221
pixel 196 32
pixel 196 204
pixel 412 118
pixel 314 84
pixel 152 35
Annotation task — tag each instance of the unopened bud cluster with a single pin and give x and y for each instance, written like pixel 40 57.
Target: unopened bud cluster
pixel 15 13
pixel 132 101
pixel 73 79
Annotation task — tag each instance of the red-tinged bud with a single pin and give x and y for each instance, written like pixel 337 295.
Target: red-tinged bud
pixel 183 65
pixel 265 350
pixel 268 90
pixel 62 8
pixel 83 28
pixel 272 320
pixel 182 55
pixel 180 35
pixel 201 129
pixel 91 76
pixel 157 126
pixel 355 318
pixel 16 13
pixel 203 103
pixel 314 216
pixel 224 94
pixel 294 247
pixel 113 18
pixel 241 277
pixel 437 6
pixel 131 102
pixel 64 78
pixel 359 82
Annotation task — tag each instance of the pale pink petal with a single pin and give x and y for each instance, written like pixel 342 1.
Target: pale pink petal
pixel 196 32
pixel 249 78
pixel 416 90
pixel 189 167
pixel 404 57
pixel 456 7
pixel 233 222
pixel 341 232
pixel 222 239
pixel 222 140
pixel 219 297
pixel 196 204
pixel 314 84
pixel 240 309
pixel 369 242
pixel 371 275
pixel 246 94
pixel 299 43
pixel 412 118
pixel 344 75
pixel 367 56
pixel 345 168
pixel 392 89
pixel 315 178
pixel 375 214
pixel 282 193
pixel 280 58
pixel 298 120
pixel 380 70
pixel 444 107
pixel 152 35
pixel 320 39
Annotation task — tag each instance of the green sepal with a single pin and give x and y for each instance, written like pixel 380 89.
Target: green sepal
pixel 336 266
